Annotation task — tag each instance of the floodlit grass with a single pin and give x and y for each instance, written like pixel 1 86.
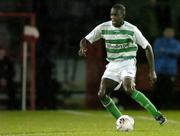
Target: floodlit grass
pixel 83 123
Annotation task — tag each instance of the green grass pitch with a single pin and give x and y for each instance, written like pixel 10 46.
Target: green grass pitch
pixel 83 123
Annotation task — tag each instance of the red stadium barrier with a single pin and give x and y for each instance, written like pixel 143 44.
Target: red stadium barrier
pixel 95 66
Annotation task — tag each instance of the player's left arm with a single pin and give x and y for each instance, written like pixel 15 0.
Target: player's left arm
pixel 150 58
pixel 141 40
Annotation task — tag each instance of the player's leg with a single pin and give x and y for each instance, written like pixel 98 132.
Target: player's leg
pixel 129 86
pixel 106 87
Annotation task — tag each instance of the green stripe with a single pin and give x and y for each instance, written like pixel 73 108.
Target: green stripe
pixel 121 50
pixel 121 57
pixel 118 41
pixel 112 32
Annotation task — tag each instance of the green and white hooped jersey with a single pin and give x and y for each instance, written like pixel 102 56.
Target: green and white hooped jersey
pixel 121 43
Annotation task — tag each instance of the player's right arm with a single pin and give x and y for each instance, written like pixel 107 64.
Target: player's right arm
pixel 93 36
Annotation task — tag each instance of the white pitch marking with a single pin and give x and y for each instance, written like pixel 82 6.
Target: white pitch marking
pixel 44 134
pixel 138 117
pixel 77 112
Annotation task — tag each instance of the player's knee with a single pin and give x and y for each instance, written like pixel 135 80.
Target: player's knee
pixel 129 92
pixel 129 85
pixel 101 94
pixel 128 89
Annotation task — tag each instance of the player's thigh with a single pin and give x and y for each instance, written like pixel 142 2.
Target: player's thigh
pixel 107 85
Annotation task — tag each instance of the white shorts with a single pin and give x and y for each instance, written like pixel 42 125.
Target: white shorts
pixel 118 70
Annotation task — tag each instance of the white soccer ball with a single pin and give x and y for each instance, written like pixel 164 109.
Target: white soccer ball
pixel 125 123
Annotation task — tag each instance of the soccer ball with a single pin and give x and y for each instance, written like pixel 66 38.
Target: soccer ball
pixel 125 123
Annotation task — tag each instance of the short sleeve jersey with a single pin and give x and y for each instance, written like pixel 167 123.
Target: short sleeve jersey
pixel 121 42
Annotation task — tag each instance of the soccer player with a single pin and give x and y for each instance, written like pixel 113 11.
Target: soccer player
pixel 121 41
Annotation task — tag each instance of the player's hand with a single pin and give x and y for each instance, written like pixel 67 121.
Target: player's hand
pixel 83 47
pixel 82 51
pixel 152 77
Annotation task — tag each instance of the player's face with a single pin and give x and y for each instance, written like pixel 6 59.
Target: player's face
pixel 117 17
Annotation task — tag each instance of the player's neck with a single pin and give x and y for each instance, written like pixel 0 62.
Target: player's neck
pixel 120 24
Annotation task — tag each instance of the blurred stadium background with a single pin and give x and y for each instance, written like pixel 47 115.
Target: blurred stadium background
pixel 62 79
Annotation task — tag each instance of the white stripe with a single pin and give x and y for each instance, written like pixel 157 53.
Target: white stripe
pixel 147 105
pixel 117 36
pixel 130 53
pixel 77 112
pixel 136 94
pixel 108 115
pixel 50 133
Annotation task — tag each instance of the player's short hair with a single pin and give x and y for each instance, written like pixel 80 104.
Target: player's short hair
pixel 120 7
